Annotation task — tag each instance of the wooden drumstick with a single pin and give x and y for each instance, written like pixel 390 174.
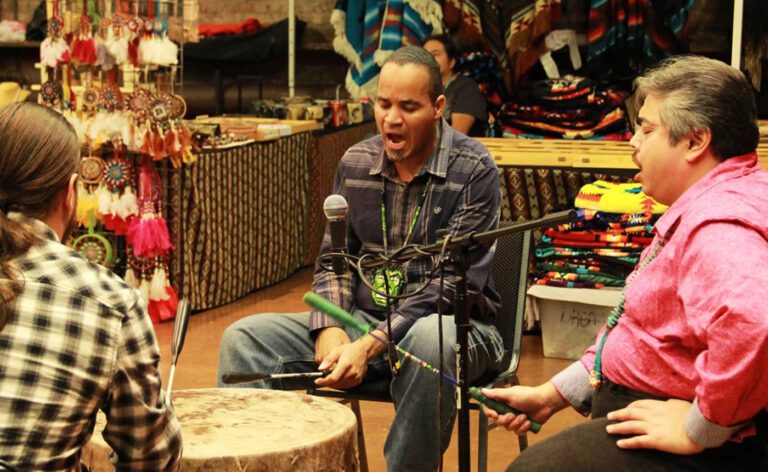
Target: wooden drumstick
pixel 179 332
pixel 230 378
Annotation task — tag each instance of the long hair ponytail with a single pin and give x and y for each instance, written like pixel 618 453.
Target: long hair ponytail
pixel 39 152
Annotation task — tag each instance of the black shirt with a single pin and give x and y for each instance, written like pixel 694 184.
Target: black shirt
pixel 463 96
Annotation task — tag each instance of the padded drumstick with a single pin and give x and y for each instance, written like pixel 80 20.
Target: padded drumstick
pixel 499 407
pixel 320 303
pixel 335 312
pixel 177 342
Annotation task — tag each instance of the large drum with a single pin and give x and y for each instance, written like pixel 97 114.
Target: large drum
pixel 255 430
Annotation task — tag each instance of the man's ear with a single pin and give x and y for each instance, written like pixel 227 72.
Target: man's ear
pixel 71 196
pixel 439 107
pixel 699 143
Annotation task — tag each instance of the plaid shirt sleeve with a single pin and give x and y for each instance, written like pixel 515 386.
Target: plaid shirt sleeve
pixel 141 428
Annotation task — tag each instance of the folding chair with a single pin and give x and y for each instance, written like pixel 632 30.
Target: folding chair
pixel 510 274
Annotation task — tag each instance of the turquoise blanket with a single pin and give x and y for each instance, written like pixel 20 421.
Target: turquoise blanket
pixel 367 31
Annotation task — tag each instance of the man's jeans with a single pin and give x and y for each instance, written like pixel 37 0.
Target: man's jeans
pixel 280 343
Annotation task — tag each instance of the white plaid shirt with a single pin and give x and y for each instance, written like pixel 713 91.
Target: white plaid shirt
pixel 78 340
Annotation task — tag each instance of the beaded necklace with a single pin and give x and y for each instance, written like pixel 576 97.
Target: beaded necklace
pixel 392 279
pixel 596 375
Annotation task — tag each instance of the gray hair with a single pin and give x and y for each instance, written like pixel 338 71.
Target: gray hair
pixel 420 57
pixel 701 93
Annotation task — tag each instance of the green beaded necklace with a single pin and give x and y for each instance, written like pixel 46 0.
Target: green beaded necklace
pixel 596 375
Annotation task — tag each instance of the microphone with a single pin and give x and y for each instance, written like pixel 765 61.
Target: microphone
pixel 335 209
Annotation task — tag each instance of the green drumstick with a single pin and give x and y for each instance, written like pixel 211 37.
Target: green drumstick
pixel 320 303
pixel 327 307
pixel 500 408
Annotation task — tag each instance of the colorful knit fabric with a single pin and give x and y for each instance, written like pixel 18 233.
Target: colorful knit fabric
pixel 367 31
pixel 609 197
pixel 591 238
pixel 570 107
pixel 597 249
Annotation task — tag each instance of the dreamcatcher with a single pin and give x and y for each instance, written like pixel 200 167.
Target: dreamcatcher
pixel 93 246
pixel 121 205
pixel 51 92
pixel 89 188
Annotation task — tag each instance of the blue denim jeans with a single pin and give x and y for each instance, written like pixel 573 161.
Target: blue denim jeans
pixel 278 343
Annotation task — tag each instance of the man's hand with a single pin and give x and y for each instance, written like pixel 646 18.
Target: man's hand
pixel 654 424
pixel 327 340
pixel 350 362
pixel 540 403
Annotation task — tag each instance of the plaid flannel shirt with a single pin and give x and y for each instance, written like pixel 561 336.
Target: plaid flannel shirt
pixel 78 339
pixel 465 196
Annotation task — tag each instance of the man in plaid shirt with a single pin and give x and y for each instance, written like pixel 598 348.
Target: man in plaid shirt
pixel 417 177
pixel 74 338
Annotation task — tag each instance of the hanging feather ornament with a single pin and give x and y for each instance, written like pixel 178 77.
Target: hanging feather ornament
pixel 163 300
pixel 54 50
pixel 104 57
pixel 156 47
pixel 83 46
pixel 117 175
pixel 167 53
pixel 130 278
pixel 87 202
pixel 139 271
pixel 164 310
pixel 117 42
pixel 148 233
pixel 157 285
pixel 128 204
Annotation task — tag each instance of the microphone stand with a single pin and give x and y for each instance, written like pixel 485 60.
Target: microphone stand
pixel 459 248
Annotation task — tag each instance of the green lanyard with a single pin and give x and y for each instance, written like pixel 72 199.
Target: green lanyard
pixel 391 280
pixel 415 219
pixel 596 375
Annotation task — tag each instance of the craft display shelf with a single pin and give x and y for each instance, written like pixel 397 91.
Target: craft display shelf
pixel 586 155
pixel 260 129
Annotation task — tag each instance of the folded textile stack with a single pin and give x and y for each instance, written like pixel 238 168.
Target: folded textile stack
pixel 603 245
pixel 566 108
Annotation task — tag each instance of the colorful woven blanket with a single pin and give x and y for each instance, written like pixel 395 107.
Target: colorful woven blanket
pixel 635 33
pixel 367 31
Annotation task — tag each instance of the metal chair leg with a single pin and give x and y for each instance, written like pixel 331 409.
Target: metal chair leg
pixel 482 442
pixel 361 453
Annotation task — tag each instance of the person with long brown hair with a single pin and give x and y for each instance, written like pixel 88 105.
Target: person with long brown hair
pixel 74 338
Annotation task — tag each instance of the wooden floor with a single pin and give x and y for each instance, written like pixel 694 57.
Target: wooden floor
pixel 199 359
